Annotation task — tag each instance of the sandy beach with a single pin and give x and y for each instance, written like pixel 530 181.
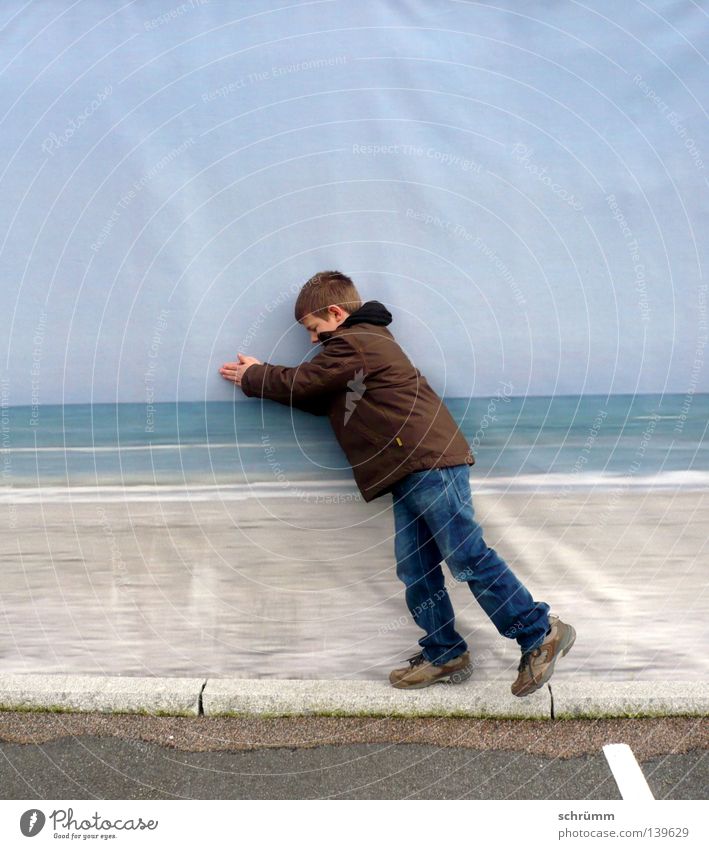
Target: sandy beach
pixel 287 588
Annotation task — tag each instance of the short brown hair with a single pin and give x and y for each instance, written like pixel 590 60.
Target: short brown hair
pixel 322 290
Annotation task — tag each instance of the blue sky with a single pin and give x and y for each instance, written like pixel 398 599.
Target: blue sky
pixel 525 190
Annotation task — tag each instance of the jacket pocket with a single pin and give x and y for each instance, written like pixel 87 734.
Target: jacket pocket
pixel 374 437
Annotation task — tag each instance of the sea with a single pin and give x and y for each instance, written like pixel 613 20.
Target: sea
pixel 222 450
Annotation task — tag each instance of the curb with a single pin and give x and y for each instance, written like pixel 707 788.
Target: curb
pixel 297 697
pixel 103 694
pixel 369 698
pixel 574 700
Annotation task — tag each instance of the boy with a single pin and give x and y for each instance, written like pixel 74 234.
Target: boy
pixel 399 437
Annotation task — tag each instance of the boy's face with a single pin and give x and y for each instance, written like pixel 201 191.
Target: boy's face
pixel 315 324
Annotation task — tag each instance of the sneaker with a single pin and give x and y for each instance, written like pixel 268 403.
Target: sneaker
pixel 537 665
pixel 421 672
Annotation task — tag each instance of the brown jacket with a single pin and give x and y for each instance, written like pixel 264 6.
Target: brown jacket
pixel 386 417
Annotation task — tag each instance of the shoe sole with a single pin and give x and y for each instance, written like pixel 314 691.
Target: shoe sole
pixel 456 677
pixel 567 643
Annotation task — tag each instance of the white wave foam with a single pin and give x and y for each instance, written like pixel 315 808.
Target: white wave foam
pixel 104 449
pixel 345 489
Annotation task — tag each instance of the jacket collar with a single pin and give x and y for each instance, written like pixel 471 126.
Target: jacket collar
pixel 371 312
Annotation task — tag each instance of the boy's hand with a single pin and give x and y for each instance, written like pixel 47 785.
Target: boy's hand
pixel 235 371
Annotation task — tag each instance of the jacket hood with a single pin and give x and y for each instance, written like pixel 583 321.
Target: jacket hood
pixel 371 312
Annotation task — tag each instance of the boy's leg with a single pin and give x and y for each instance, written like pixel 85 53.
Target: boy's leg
pixel 418 565
pixel 443 498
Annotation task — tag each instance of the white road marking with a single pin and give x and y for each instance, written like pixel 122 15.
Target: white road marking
pixel 627 773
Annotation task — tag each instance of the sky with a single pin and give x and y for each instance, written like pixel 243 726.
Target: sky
pixel 524 187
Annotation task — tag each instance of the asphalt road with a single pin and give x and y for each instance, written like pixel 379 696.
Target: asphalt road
pixel 296 758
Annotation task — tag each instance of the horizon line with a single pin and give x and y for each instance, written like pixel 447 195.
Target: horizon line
pixel 445 398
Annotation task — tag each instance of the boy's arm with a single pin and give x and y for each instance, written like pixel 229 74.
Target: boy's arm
pixel 306 386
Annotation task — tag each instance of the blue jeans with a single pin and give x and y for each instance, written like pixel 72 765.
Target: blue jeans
pixel 433 518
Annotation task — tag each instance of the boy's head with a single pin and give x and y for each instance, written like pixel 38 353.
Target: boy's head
pixel 325 301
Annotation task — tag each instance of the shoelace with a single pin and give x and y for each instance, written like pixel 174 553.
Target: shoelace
pixel 416 659
pixel 526 658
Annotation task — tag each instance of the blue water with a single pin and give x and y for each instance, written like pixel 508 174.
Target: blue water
pixel 577 438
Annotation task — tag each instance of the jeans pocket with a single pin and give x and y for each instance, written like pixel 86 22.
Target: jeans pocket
pixel 426 476
pixel 424 480
pixel 461 483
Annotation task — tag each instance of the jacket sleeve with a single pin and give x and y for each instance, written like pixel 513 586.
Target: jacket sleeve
pixel 317 406
pixel 307 385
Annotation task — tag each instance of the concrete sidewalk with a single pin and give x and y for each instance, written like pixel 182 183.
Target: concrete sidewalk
pixel 291 697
